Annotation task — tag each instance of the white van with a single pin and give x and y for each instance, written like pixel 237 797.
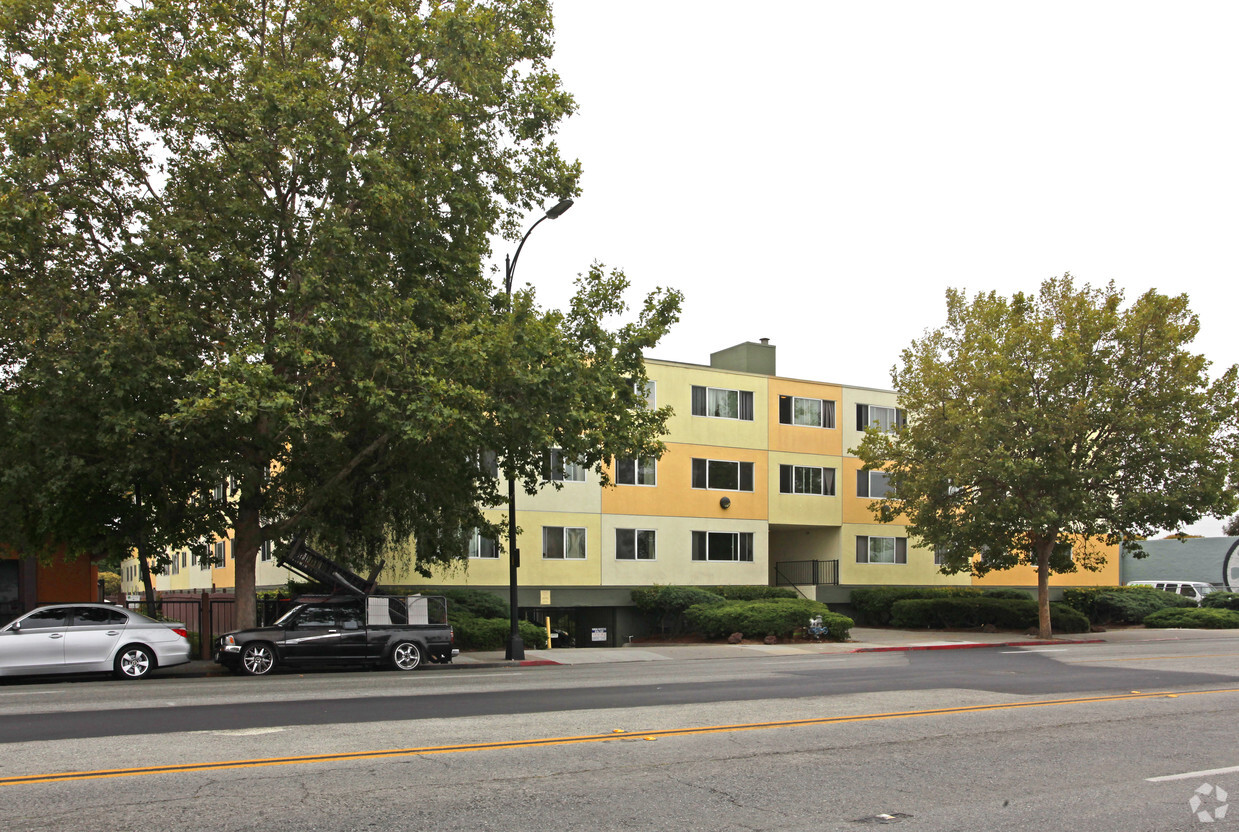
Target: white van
pixel 1196 590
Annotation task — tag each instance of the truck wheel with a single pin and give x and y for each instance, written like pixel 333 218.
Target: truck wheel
pixel 406 655
pixel 257 659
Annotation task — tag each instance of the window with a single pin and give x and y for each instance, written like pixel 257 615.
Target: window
pixel 634 544
pixel 883 418
pixel 563 543
pixel 732 546
pixel 881 549
pixel 221 552
pixel 559 469
pixel 264 551
pixel 939 555
pixel 875 484
pixel 722 475
pixel 482 547
pixel 723 404
pixel 649 392
pixel 806 479
pixel 639 471
pixel 814 413
pixel 96 616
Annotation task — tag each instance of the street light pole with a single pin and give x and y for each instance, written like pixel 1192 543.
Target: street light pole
pixel 515 648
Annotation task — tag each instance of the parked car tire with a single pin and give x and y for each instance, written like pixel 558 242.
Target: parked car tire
pixel 257 659
pixel 406 655
pixel 133 662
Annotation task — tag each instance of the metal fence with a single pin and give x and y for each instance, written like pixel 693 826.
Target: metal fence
pixel 806 573
pixel 207 615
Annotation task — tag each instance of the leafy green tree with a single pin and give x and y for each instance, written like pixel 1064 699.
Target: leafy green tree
pixel 244 243
pixel 1231 526
pixel 1055 420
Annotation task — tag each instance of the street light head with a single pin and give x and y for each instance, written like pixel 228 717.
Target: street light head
pixel 559 208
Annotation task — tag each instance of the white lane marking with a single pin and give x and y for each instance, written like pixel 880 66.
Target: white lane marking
pixel 31 692
pixel 1193 775
pixel 241 732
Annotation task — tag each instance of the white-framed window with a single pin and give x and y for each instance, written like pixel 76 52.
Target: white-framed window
pixel 561 469
pixel 881 549
pixel 563 543
pixel 939 555
pixel 647 391
pixel 722 403
pixel 875 484
pixel 806 479
pixel 722 475
pixel 482 547
pixel 265 550
pixel 813 413
pixel 221 552
pixel 723 546
pixel 883 418
pixel 640 471
pixel 635 544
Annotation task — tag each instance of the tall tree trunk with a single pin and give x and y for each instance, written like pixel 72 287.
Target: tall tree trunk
pixel 245 558
pixel 1044 549
pixel 144 561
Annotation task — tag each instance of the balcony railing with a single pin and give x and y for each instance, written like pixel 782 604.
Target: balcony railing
pixel 806 573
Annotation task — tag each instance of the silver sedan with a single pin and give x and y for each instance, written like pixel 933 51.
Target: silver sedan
pixel 90 638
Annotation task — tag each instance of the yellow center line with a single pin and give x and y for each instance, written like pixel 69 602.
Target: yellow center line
pixel 67 776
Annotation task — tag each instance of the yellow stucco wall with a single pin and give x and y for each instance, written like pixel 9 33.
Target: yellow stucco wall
pixel 1026 576
pixel 920 569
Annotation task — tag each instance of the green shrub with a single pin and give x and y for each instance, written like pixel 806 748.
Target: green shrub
pixel 757 619
pixel 873 606
pixel 1121 604
pixel 965 612
pixel 1009 594
pixel 473 633
pixel 665 605
pixel 753 593
pixel 1221 601
pixel 475 602
pixel 1194 618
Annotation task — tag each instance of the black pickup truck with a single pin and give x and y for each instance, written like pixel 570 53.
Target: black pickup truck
pixel 370 630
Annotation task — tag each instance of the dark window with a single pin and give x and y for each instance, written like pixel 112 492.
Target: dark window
pixel 317 616
pixel 881 549
pixel 727 546
pixel 875 484
pixel 722 474
pixel 87 616
pixel 46 619
pixel 722 403
pixel 636 472
pixel 634 544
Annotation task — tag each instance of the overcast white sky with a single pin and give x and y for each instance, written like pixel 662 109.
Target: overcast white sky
pixel 819 173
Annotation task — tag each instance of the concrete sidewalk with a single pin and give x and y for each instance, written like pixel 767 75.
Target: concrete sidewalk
pixel 864 640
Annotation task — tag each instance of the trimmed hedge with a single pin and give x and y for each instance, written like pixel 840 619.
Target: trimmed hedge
pixel 473 633
pixel 966 612
pixel 757 619
pixel 1194 618
pixel 666 605
pixel 753 593
pixel 1121 604
pixel 1221 601
pixel 873 606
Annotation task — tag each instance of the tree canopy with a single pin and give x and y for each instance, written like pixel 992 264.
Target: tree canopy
pixel 1040 425
pixel 245 242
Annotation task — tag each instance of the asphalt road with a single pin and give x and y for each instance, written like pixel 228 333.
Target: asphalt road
pixel 1056 738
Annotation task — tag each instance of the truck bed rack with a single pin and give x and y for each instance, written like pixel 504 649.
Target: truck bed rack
pixel 314 566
